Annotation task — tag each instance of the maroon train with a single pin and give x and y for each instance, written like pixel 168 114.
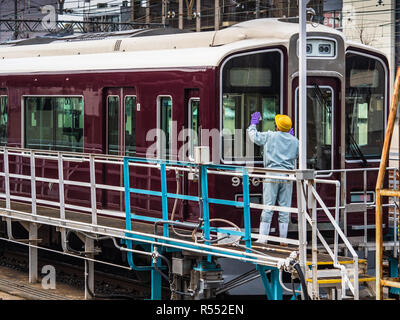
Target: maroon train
pixel 105 97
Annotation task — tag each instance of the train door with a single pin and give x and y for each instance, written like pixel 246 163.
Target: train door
pixel 193 126
pixel 120 108
pixel 323 129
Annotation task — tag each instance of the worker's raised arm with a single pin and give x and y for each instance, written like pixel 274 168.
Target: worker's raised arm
pixel 259 138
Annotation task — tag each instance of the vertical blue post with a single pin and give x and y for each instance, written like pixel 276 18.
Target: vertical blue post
pixel 127 195
pixel 128 220
pixel 276 286
pixel 206 212
pixel 164 198
pixel 155 280
pixel 246 209
pixel 272 288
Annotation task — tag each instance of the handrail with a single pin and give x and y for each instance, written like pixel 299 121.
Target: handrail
pixel 202 170
pixel 354 288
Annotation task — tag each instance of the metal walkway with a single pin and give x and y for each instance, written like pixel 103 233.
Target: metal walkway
pixel 154 233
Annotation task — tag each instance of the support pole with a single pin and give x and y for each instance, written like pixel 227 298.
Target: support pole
pixel 33 253
pixel 302 134
pixel 89 270
pixel 302 85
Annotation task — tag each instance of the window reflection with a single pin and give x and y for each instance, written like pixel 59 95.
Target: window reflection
pixel 365 107
pixel 250 83
pixel 3 120
pixel 130 125
pixel 54 123
pixel 112 122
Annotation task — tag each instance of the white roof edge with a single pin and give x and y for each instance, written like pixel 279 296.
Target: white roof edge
pixel 169 58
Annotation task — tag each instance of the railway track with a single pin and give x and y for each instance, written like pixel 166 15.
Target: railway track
pixel 69 273
pixel 28 292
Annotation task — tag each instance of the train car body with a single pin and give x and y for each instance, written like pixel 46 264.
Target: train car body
pixel 111 96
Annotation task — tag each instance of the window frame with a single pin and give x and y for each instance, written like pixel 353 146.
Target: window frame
pixel 281 98
pixel 135 109
pixel 378 159
pixel 296 102
pixel 158 124
pixel 6 138
pixel 23 142
pixel 107 127
pixel 191 152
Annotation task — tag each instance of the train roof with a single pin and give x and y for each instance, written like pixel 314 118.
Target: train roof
pixel 142 40
pixel 197 49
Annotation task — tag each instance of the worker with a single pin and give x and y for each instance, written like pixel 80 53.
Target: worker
pixel 281 150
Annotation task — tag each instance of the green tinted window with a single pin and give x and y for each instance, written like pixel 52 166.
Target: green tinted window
pixel 165 125
pixel 130 125
pixel 112 121
pixel 194 124
pixel 54 123
pixel 3 120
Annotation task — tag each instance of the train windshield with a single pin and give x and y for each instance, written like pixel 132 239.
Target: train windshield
pixel 365 107
pixel 250 83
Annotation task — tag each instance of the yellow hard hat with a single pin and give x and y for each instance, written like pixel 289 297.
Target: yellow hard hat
pixel 283 122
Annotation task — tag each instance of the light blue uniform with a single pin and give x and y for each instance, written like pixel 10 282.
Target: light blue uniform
pixel 281 150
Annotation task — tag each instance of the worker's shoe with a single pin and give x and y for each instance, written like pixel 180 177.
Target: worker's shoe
pixel 283 230
pixel 263 232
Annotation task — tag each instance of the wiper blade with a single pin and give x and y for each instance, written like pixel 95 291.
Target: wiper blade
pixel 320 96
pixel 357 149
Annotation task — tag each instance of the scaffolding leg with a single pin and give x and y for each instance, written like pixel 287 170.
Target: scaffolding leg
pixel 89 272
pixel 272 287
pixel 33 254
pixel 155 281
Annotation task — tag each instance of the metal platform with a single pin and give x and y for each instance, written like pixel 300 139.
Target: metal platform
pixel 155 234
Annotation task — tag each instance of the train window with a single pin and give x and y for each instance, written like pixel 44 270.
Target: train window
pixel 319 127
pixel 260 91
pixel 194 124
pixel 112 124
pixel 3 120
pixel 54 123
pixel 165 124
pixel 130 125
pixel 365 107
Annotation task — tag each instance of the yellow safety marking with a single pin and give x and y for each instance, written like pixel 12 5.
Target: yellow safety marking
pixel 339 280
pixel 309 263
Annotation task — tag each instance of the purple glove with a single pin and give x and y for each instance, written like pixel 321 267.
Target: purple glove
pixel 291 131
pixel 255 118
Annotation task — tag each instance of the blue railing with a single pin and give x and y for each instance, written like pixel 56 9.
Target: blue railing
pixel 205 199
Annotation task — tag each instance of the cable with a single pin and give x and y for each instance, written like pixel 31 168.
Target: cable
pixel 105 296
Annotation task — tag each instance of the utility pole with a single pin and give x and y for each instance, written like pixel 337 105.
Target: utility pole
pixel 16 27
pixel 198 16
pixel 132 10
pixel 257 9
pixel 216 16
pixel 148 11
pixel 180 18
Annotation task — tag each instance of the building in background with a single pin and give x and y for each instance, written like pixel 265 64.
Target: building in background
pixel 29 15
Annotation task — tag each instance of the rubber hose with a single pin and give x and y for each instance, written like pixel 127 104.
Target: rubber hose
pixel 302 280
